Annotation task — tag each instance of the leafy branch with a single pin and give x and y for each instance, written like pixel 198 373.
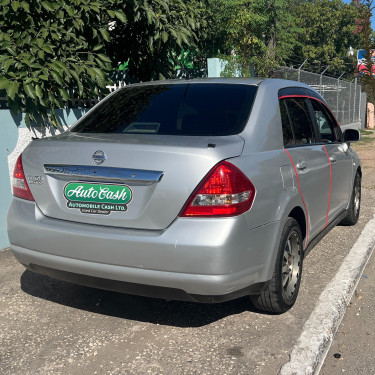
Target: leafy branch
pixel 50 51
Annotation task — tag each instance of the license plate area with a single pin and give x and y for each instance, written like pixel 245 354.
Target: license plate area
pixel 97 198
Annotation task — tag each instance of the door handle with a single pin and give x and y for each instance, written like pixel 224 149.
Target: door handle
pixel 333 159
pixel 301 165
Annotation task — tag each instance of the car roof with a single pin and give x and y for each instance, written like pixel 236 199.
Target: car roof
pixel 244 81
pixel 273 84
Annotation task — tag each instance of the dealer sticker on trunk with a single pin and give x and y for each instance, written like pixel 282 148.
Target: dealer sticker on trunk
pixel 94 198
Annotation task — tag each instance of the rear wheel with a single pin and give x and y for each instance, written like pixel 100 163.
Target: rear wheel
pixel 355 203
pixel 282 290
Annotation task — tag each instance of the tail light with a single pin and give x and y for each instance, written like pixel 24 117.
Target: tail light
pixel 225 191
pixel 20 187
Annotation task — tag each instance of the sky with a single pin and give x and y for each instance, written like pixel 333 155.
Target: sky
pixel 372 19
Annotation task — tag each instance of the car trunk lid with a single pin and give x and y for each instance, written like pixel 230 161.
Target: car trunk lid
pixel 130 181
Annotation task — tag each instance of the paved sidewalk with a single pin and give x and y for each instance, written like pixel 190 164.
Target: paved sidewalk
pixel 353 349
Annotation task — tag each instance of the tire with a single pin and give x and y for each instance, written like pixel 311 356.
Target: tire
pixel 355 203
pixel 282 290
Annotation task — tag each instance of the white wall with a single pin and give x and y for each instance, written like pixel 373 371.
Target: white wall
pixel 24 138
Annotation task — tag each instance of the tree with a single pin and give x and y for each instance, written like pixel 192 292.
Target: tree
pixel 155 32
pixel 363 28
pixel 328 27
pixel 261 34
pixel 52 49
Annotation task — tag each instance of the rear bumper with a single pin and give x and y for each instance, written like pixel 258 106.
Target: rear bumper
pixel 207 260
pixel 142 289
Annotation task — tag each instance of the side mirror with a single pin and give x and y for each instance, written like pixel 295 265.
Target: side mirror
pixel 351 135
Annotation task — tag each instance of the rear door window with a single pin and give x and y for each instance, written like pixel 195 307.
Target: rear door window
pixel 178 109
pixel 300 121
pixel 288 136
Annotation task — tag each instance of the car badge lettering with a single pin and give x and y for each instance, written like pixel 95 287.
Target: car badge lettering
pixel 37 180
pixel 99 157
pixel 94 198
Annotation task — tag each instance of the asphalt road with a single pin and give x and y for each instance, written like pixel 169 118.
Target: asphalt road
pixel 52 327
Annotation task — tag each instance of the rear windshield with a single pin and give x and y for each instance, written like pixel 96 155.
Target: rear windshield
pixel 180 109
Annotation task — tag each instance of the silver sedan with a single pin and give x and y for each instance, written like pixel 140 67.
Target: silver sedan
pixel 201 190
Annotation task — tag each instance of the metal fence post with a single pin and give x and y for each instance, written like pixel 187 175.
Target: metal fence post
pixel 355 95
pixel 321 79
pixel 337 96
pixel 299 71
pixel 350 96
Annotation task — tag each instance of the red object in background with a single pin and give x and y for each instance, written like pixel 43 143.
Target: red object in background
pixel 363 69
pixel 361 62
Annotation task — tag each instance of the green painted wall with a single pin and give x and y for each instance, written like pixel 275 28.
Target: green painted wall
pixel 8 141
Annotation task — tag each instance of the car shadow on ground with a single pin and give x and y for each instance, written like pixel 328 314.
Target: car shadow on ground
pixel 125 306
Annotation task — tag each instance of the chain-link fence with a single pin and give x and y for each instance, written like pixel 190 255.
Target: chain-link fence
pixel 343 97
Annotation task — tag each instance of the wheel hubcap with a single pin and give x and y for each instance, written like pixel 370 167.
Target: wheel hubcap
pixel 291 264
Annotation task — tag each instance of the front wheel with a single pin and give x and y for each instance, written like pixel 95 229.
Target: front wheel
pixel 355 203
pixel 282 290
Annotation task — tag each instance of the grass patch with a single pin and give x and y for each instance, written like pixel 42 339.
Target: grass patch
pixel 367 132
pixel 366 140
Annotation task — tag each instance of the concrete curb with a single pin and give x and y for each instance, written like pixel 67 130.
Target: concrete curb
pixel 308 354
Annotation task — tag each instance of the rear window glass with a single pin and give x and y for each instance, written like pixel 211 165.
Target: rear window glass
pixel 181 109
